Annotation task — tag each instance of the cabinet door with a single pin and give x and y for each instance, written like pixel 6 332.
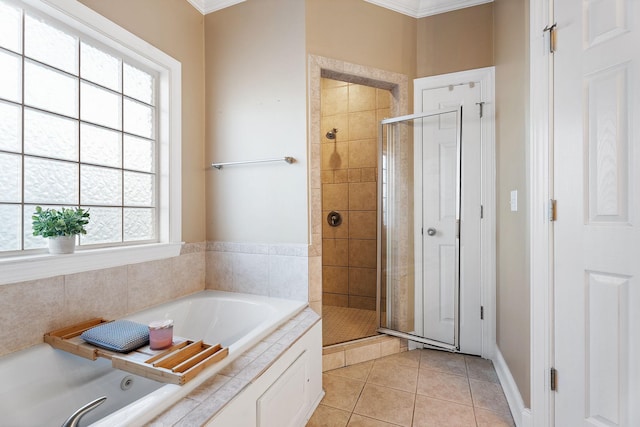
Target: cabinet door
pixel 283 404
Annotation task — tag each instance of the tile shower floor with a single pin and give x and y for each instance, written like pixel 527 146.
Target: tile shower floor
pixel 341 324
pixel 414 388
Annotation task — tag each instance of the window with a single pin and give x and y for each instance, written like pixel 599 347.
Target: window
pixel 85 120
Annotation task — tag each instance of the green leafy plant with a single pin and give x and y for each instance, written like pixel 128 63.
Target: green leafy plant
pixel 63 222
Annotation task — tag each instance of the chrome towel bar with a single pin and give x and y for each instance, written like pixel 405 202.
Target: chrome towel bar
pixel 278 159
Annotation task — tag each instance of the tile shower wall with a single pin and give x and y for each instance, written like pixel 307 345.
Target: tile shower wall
pixel 348 174
pixel 30 309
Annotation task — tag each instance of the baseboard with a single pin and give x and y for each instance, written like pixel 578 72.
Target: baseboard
pixel 521 415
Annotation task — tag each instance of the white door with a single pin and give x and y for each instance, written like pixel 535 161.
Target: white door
pixel 450 179
pixel 597 232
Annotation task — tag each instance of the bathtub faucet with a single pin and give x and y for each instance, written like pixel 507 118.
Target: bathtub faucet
pixel 74 419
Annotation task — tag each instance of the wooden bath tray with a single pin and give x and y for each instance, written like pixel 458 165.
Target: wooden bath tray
pixel 177 364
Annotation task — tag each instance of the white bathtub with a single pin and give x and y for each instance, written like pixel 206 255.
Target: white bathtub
pixel 41 386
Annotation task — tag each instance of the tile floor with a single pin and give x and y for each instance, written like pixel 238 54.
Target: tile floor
pixel 414 388
pixel 342 324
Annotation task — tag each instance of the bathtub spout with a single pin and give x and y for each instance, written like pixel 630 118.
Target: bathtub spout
pixel 74 419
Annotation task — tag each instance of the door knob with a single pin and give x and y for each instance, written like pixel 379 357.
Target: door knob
pixel 431 231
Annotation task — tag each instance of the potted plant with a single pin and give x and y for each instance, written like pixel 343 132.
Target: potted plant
pixel 60 226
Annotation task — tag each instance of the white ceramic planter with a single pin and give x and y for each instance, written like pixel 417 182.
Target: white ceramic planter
pixel 62 244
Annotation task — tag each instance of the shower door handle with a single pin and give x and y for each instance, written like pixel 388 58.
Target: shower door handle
pixel 431 231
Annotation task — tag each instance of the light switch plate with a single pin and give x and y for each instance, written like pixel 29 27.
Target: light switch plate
pixel 514 200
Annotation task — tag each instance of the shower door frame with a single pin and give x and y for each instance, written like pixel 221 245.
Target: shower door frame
pixel 456 326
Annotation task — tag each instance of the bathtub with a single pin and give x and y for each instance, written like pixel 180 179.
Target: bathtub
pixel 43 386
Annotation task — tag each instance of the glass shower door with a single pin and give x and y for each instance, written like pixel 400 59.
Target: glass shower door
pixel 418 227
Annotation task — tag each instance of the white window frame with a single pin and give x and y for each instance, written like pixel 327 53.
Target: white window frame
pixel 26 267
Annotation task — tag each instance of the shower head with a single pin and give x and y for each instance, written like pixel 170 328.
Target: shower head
pixel 332 133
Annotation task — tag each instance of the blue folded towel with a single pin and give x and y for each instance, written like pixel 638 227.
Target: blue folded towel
pixel 122 336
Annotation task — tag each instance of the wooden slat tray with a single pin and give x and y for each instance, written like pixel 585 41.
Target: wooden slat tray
pixel 177 364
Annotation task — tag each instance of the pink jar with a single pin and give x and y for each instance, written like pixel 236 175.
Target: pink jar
pixel 160 334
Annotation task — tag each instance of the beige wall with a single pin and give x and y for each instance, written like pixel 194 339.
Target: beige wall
pixel 361 33
pixel 256 109
pixel 455 41
pixel 513 325
pixel 176 28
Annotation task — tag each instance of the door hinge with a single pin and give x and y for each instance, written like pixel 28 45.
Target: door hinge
pixel 481 104
pixel 553 379
pixel 481 313
pixel 552 36
pixel 458 228
pixel 481 211
pixel 553 213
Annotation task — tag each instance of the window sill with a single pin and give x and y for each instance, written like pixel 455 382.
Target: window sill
pixel 20 269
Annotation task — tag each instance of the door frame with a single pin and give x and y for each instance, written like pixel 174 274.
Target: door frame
pixel 540 229
pixel 486 77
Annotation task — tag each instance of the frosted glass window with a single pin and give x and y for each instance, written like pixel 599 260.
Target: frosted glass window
pixel 10 27
pixel 139 224
pixel 49 135
pixel 50 45
pixel 100 67
pixel 101 186
pixel 100 146
pixel 10 219
pixel 138 189
pixel 138 118
pixel 50 181
pixel 138 84
pixel 63 114
pixel 10 77
pixel 138 153
pixel 100 106
pixel 105 226
pixel 10 127
pixel 31 241
pixel 50 90
pixel 10 177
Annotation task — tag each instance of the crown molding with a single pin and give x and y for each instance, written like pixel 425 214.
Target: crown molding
pixel 422 8
pixel 208 6
pixel 413 8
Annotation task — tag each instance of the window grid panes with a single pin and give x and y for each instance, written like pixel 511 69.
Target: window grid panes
pixel 77 128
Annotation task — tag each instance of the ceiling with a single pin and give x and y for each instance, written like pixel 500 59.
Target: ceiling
pixel 414 8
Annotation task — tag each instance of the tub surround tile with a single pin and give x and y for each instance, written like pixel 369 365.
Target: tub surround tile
pixel 275 270
pixel 99 293
pixel 206 389
pixel 150 285
pixel 35 306
pixel 176 413
pixel 220 390
pixel 40 306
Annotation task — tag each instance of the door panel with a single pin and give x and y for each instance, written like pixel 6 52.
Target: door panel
pixel 596 235
pixel 440 180
pixel 442 172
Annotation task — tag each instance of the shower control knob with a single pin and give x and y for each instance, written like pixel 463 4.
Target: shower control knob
pixel 334 219
pixel 431 231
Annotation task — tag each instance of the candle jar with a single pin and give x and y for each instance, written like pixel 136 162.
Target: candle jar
pixel 160 334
